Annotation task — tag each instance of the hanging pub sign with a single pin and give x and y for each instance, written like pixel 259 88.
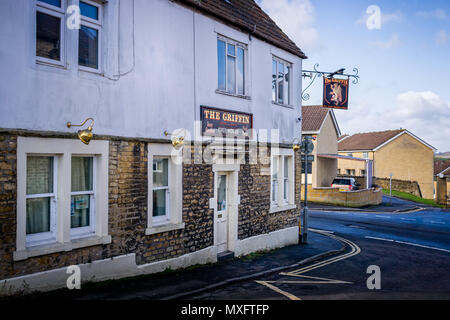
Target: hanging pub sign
pixel 219 122
pixel 335 93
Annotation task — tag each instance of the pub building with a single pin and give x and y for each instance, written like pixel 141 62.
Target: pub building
pixel 156 134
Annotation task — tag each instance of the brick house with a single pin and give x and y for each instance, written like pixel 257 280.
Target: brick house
pixel 129 203
pixel 399 152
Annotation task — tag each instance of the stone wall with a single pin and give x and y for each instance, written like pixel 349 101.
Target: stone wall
pixel 411 187
pixel 255 217
pixel 334 196
pixel 128 188
pixel 8 194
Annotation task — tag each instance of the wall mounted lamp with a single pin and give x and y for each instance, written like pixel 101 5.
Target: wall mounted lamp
pixel 177 140
pixel 295 145
pixel 84 135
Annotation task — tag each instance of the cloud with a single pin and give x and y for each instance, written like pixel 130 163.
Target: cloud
pixel 442 37
pixel 296 18
pixel 424 113
pixel 437 14
pixel 385 18
pixel 393 42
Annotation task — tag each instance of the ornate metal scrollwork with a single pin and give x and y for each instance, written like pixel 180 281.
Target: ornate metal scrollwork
pixel 314 74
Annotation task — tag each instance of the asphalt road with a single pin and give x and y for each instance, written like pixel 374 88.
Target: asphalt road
pixel 412 251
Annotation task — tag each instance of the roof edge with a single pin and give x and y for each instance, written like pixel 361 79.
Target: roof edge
pixel 402 133
pixel 299 54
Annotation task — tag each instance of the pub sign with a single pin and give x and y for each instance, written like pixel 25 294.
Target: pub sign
pixel 220 122
pixel 335 93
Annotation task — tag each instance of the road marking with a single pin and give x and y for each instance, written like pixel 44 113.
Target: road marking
pixel 356 227
pixel 284 293
pixel 409 243
pixel 432 221
pixel 354 251
pixel 382 239
pixel 326 231
pixel 408 219
pixel 314 280
pixel 321 280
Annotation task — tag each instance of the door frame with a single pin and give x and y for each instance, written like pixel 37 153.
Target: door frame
pixel 233 201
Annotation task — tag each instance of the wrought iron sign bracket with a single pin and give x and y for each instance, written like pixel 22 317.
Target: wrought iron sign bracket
pixel 314 74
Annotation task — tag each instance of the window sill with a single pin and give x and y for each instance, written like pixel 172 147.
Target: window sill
pixel 60 247
pixel 282 208
pixel 282 105
pixel 233 95
pixel 164 228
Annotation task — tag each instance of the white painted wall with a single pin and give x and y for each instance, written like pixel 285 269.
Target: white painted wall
pixel 164 88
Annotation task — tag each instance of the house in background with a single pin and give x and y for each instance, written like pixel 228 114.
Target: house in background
pixel 399 152
pixel 320 123
pixel 442 170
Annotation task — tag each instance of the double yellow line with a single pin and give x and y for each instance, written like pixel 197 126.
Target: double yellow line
pixel 314 280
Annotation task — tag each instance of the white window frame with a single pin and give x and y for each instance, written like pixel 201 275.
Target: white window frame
pixel 81 232
pixel 45 237
pixel 58 13
pixel 286 179
pixel 174 217
pixel 365 155
pixel 161 220
pixel 63 150
pixel 289 98
pixel 284 200
pixel 274 183
pixel 93 24
pixel 237 45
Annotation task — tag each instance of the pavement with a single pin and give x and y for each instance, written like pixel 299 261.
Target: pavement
pixel 388 204
pixel 181 284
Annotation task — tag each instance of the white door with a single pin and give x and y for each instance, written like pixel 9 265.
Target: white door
pixel 222 212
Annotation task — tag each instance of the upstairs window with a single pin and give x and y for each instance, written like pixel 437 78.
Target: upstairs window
pixel 50 24
pixel 281 81
pixel 51 33
pixel 89 36
pixel 231 66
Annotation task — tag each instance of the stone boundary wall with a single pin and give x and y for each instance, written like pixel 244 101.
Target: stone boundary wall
pixel 411 187
pixel 334 196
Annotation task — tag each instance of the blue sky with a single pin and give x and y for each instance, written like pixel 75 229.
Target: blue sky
pixel 404 66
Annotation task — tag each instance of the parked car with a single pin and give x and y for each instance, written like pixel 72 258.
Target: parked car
pixel 345 183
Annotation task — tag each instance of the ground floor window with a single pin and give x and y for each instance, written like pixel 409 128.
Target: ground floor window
pixel 62 195
pixel 40 199
pixel 165 189
pixel 161 190
pixel 82 202
pixel 282 179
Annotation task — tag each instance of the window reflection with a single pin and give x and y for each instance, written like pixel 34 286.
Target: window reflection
pixel 48 36
pixel 88 47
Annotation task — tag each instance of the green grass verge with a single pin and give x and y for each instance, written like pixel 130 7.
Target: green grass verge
pixel 411 197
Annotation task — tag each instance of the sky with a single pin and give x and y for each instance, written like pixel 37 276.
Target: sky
pixel 403 59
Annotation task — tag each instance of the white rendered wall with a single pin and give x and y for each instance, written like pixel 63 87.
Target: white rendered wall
pixel 158 92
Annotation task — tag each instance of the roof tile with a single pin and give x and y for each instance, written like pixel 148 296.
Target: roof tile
pixel 367 141
pixel 313 117
pixel 247 15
